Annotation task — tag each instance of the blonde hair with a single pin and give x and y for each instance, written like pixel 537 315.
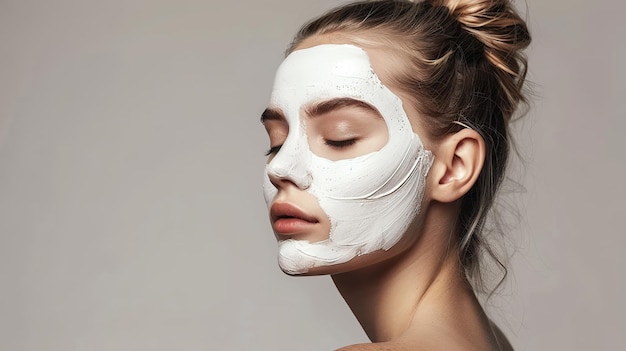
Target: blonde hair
pixel 463 69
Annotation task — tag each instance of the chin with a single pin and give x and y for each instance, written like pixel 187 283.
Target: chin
pixel 316 271
pixel 301 258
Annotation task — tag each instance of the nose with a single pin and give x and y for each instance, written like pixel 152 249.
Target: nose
pixel 280 181
pixel 291 165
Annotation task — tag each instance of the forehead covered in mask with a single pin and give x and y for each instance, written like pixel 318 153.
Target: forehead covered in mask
pixel 333 71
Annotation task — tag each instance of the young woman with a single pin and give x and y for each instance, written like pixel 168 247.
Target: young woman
pixel 388 141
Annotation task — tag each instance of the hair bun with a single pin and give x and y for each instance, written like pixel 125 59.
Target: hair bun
pixel 503 33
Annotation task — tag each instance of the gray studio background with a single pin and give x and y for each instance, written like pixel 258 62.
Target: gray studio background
pixel 131 214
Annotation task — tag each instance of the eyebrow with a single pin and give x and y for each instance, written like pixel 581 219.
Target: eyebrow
pixel 272 114
pixel 327 106
pixel 320 108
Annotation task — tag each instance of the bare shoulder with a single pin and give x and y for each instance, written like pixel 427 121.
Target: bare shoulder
pixel 429 345
pixel 386 346
pixel 362 347
pixel 434 339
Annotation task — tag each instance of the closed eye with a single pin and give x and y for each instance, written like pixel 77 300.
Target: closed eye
pixel 340 144
pixel 273 150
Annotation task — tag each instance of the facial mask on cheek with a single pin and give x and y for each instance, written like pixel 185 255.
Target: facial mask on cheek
pixel 371 199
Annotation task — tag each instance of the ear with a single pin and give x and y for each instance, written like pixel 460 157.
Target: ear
pixel 458 162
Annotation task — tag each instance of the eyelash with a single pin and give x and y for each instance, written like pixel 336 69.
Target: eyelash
pixel 273 150
pixel 340 144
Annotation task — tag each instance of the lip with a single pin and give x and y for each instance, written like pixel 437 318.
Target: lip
pixel 288 219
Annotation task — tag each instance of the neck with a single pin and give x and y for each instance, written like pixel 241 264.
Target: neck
pixel 389 297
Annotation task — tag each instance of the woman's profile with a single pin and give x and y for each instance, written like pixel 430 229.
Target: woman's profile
pixel 388 127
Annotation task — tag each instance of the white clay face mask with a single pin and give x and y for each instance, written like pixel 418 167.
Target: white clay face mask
pixel 371 199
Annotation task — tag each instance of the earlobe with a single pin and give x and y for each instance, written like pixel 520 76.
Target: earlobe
pixel 458 162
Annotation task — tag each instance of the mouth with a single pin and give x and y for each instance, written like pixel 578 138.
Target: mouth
pixel 288 219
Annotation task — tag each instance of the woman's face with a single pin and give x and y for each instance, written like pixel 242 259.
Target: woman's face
pixel 346 173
